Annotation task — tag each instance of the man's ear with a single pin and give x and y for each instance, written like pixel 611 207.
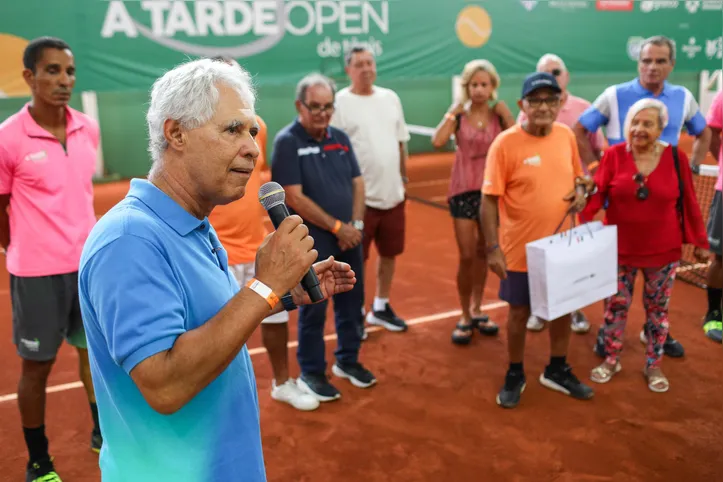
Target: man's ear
pixel 29 77
pixel 175 134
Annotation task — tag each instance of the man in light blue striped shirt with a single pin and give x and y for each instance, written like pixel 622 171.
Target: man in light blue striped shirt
pixel 656 61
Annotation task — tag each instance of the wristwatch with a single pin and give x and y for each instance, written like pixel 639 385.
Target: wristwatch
pixel 358 224
pixel 288 301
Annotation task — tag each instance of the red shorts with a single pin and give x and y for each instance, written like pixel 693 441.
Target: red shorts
pixel 386 228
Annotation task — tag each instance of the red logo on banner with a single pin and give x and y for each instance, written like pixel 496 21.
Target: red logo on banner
pixel 614 5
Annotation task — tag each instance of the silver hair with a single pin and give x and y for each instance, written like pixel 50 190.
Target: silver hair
pixel 660 41
pixel 551 57
pixel 313 80
pixel 643 104
pixel 189 94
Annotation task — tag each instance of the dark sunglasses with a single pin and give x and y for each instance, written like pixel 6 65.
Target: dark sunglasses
pixel 556 72
pixel 642 192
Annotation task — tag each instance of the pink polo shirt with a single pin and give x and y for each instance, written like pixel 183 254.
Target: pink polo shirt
pixel 570 113
pixel 715 119
pixel 51 192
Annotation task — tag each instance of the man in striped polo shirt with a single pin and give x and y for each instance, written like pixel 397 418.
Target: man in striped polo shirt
pixel 656 61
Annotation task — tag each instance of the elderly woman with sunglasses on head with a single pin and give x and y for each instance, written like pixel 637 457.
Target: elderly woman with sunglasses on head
pixel 653 203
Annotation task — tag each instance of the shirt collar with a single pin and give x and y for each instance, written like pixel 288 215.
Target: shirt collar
pixel 300 130
pixel 32 129
pixel 168 210
pixel 639 89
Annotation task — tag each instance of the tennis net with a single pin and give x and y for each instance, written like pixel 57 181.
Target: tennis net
pixel 691 270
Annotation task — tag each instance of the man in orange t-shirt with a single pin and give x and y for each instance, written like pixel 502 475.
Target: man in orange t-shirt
pixel 240 228
pixel 531 177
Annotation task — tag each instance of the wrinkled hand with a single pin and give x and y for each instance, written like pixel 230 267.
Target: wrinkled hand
pixel 497 263
pixel 285 256
pixel 334 276
pixel 348 236
pixel 702 255
pixel 577 199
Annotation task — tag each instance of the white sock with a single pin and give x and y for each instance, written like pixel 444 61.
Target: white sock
pixel 380 304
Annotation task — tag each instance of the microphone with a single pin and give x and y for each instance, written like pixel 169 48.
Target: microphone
pixel 272 197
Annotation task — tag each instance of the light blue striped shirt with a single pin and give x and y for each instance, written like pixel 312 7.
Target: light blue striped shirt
pixel 611 107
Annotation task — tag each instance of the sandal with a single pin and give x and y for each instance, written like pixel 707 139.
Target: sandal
pixel 603 373
pixel 467 329
pixel 657 383
pixel 485 325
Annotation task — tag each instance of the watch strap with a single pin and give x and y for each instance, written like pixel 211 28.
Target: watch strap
pixel 288 302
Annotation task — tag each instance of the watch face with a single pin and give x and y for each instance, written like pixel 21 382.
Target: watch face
pixel 358 225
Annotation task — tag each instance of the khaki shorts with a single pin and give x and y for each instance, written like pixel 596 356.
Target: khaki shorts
pixel 243 273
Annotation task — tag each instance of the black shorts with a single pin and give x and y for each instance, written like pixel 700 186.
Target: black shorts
pixel 46 310
pixel 715 223
pixel 466 205
pixel 515 289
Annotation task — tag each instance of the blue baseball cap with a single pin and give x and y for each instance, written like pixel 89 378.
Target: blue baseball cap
pixel 539 80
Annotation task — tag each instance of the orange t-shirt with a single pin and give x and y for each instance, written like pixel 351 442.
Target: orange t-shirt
pixel 240 224
pixel 530 175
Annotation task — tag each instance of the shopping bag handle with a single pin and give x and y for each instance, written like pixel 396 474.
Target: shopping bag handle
pixel 569 212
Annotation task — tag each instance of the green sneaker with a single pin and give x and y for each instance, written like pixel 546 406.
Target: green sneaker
pixel 713 326
pixel 41 471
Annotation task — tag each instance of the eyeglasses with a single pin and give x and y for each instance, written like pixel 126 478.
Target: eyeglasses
pixel 538 101
pixel 318 109
pixel 556 72
pixel 642 192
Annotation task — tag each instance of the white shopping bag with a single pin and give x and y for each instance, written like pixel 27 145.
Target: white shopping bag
pixel 573 269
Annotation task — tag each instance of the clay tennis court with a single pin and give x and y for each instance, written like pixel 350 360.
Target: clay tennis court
pixel 432 416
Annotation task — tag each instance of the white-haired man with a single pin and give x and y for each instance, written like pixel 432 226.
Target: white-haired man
pixel 570 110
pixel 166 321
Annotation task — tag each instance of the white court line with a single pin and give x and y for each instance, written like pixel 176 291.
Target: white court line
pixel 257 351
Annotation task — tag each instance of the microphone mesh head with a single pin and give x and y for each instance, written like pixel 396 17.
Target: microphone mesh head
pixel 271 194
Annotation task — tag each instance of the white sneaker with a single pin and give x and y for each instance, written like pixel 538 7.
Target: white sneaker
pixel 290 393
pixel 535 324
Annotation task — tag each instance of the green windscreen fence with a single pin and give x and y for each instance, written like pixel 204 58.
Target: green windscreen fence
pixel 121 47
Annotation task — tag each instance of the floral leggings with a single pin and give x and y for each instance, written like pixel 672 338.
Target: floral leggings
pixel 656 296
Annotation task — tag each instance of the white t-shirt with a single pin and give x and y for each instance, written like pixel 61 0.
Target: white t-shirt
pixel 375 124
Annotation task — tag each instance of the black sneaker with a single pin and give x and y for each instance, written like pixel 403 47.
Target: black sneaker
pixel 564 381
pixel 41 471
pixel 599 347
pixel 356 373
pixel 96 441
pixel 672 347
pixel 387 319
pixel 515 383
pixel 318 385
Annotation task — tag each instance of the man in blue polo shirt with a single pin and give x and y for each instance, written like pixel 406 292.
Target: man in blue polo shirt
pixel 316 165
pixel 656 61
pixel 166 321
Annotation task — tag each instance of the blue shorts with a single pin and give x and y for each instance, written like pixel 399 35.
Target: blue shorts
pixel 515 289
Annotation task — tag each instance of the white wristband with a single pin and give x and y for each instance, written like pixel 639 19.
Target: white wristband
pixel 264 291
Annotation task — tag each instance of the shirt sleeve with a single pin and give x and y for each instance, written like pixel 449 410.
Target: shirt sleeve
pixel 351 156
pixel 715 113
pixel 7 171
pixel 285 168
pixel 598 114
pixel 576 161
pixel 402 129
pixel 137 299
pixel 692 119
pixel 495 177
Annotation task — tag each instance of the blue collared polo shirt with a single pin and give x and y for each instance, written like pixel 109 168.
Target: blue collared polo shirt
pixel 150 271
pixel 324 169
pixel 611 107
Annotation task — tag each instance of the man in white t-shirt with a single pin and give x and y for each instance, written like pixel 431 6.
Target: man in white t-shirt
pixel 373 118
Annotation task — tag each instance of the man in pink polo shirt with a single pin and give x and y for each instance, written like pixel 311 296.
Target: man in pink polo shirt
pixel 572 107
pixel 47 161
pixel 713 324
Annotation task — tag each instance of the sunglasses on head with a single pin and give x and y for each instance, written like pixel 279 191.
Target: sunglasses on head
pixel 642 192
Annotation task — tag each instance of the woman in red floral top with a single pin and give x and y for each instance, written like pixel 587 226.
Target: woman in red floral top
pixel 656 212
